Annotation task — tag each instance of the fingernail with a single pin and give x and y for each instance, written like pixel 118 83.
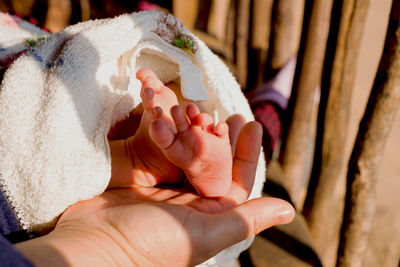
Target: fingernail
pixel 285 214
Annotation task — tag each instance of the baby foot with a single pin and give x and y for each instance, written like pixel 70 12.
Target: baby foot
pixel 150 166
pixel 204 153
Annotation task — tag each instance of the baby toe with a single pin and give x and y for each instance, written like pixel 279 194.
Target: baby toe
pixel 152 82
pixel 142 73
pixel 192 110
pixel 161 134
pixel 205 121
pixel 157 112
pixel 179 118
pixel 222 129
pixel 147 95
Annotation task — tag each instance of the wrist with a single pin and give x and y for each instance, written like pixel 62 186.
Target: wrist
pixel 73 248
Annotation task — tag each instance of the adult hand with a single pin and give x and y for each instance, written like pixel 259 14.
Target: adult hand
pixel 160 226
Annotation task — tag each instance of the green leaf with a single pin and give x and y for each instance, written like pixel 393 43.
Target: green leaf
pixel 179 42
pixel 30 41
pixel 190 44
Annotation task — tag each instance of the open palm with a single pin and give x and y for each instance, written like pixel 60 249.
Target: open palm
pixel 163 227
pixel 141 226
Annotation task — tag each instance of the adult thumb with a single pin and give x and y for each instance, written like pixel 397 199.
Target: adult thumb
pixel 242 222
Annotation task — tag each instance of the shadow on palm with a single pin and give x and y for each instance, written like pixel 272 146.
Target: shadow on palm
pixel 145 219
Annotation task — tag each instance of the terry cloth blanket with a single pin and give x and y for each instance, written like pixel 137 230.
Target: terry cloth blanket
pixel 59 99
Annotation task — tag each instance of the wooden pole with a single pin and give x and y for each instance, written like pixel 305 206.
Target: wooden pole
pixel 297 157
pixel 85 10
pixel 218 18
pixel 324 213
pixel 286 32
pixel 367 152
pixel 186 11
pixel 261 23
pixel 256 53
pixel 58 15
pixel 242 39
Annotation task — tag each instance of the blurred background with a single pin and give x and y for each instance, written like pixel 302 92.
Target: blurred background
pixel 307 68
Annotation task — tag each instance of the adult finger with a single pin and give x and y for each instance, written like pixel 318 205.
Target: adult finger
pixel 239 223
pixel 248 147
pixel 235 123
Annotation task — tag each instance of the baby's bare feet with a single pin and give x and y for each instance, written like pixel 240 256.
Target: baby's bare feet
pixel 202 151
pixel 150 166
pixel 170 142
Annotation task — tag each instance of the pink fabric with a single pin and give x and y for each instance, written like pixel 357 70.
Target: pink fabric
pixel 145 5
pixel 9 20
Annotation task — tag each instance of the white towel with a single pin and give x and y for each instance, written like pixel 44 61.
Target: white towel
pixel 58 101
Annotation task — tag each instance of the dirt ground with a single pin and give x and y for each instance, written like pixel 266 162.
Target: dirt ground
pixel 384 245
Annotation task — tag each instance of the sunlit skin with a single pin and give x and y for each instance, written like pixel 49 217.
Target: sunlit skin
pixel 142 226
pixel 174 142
